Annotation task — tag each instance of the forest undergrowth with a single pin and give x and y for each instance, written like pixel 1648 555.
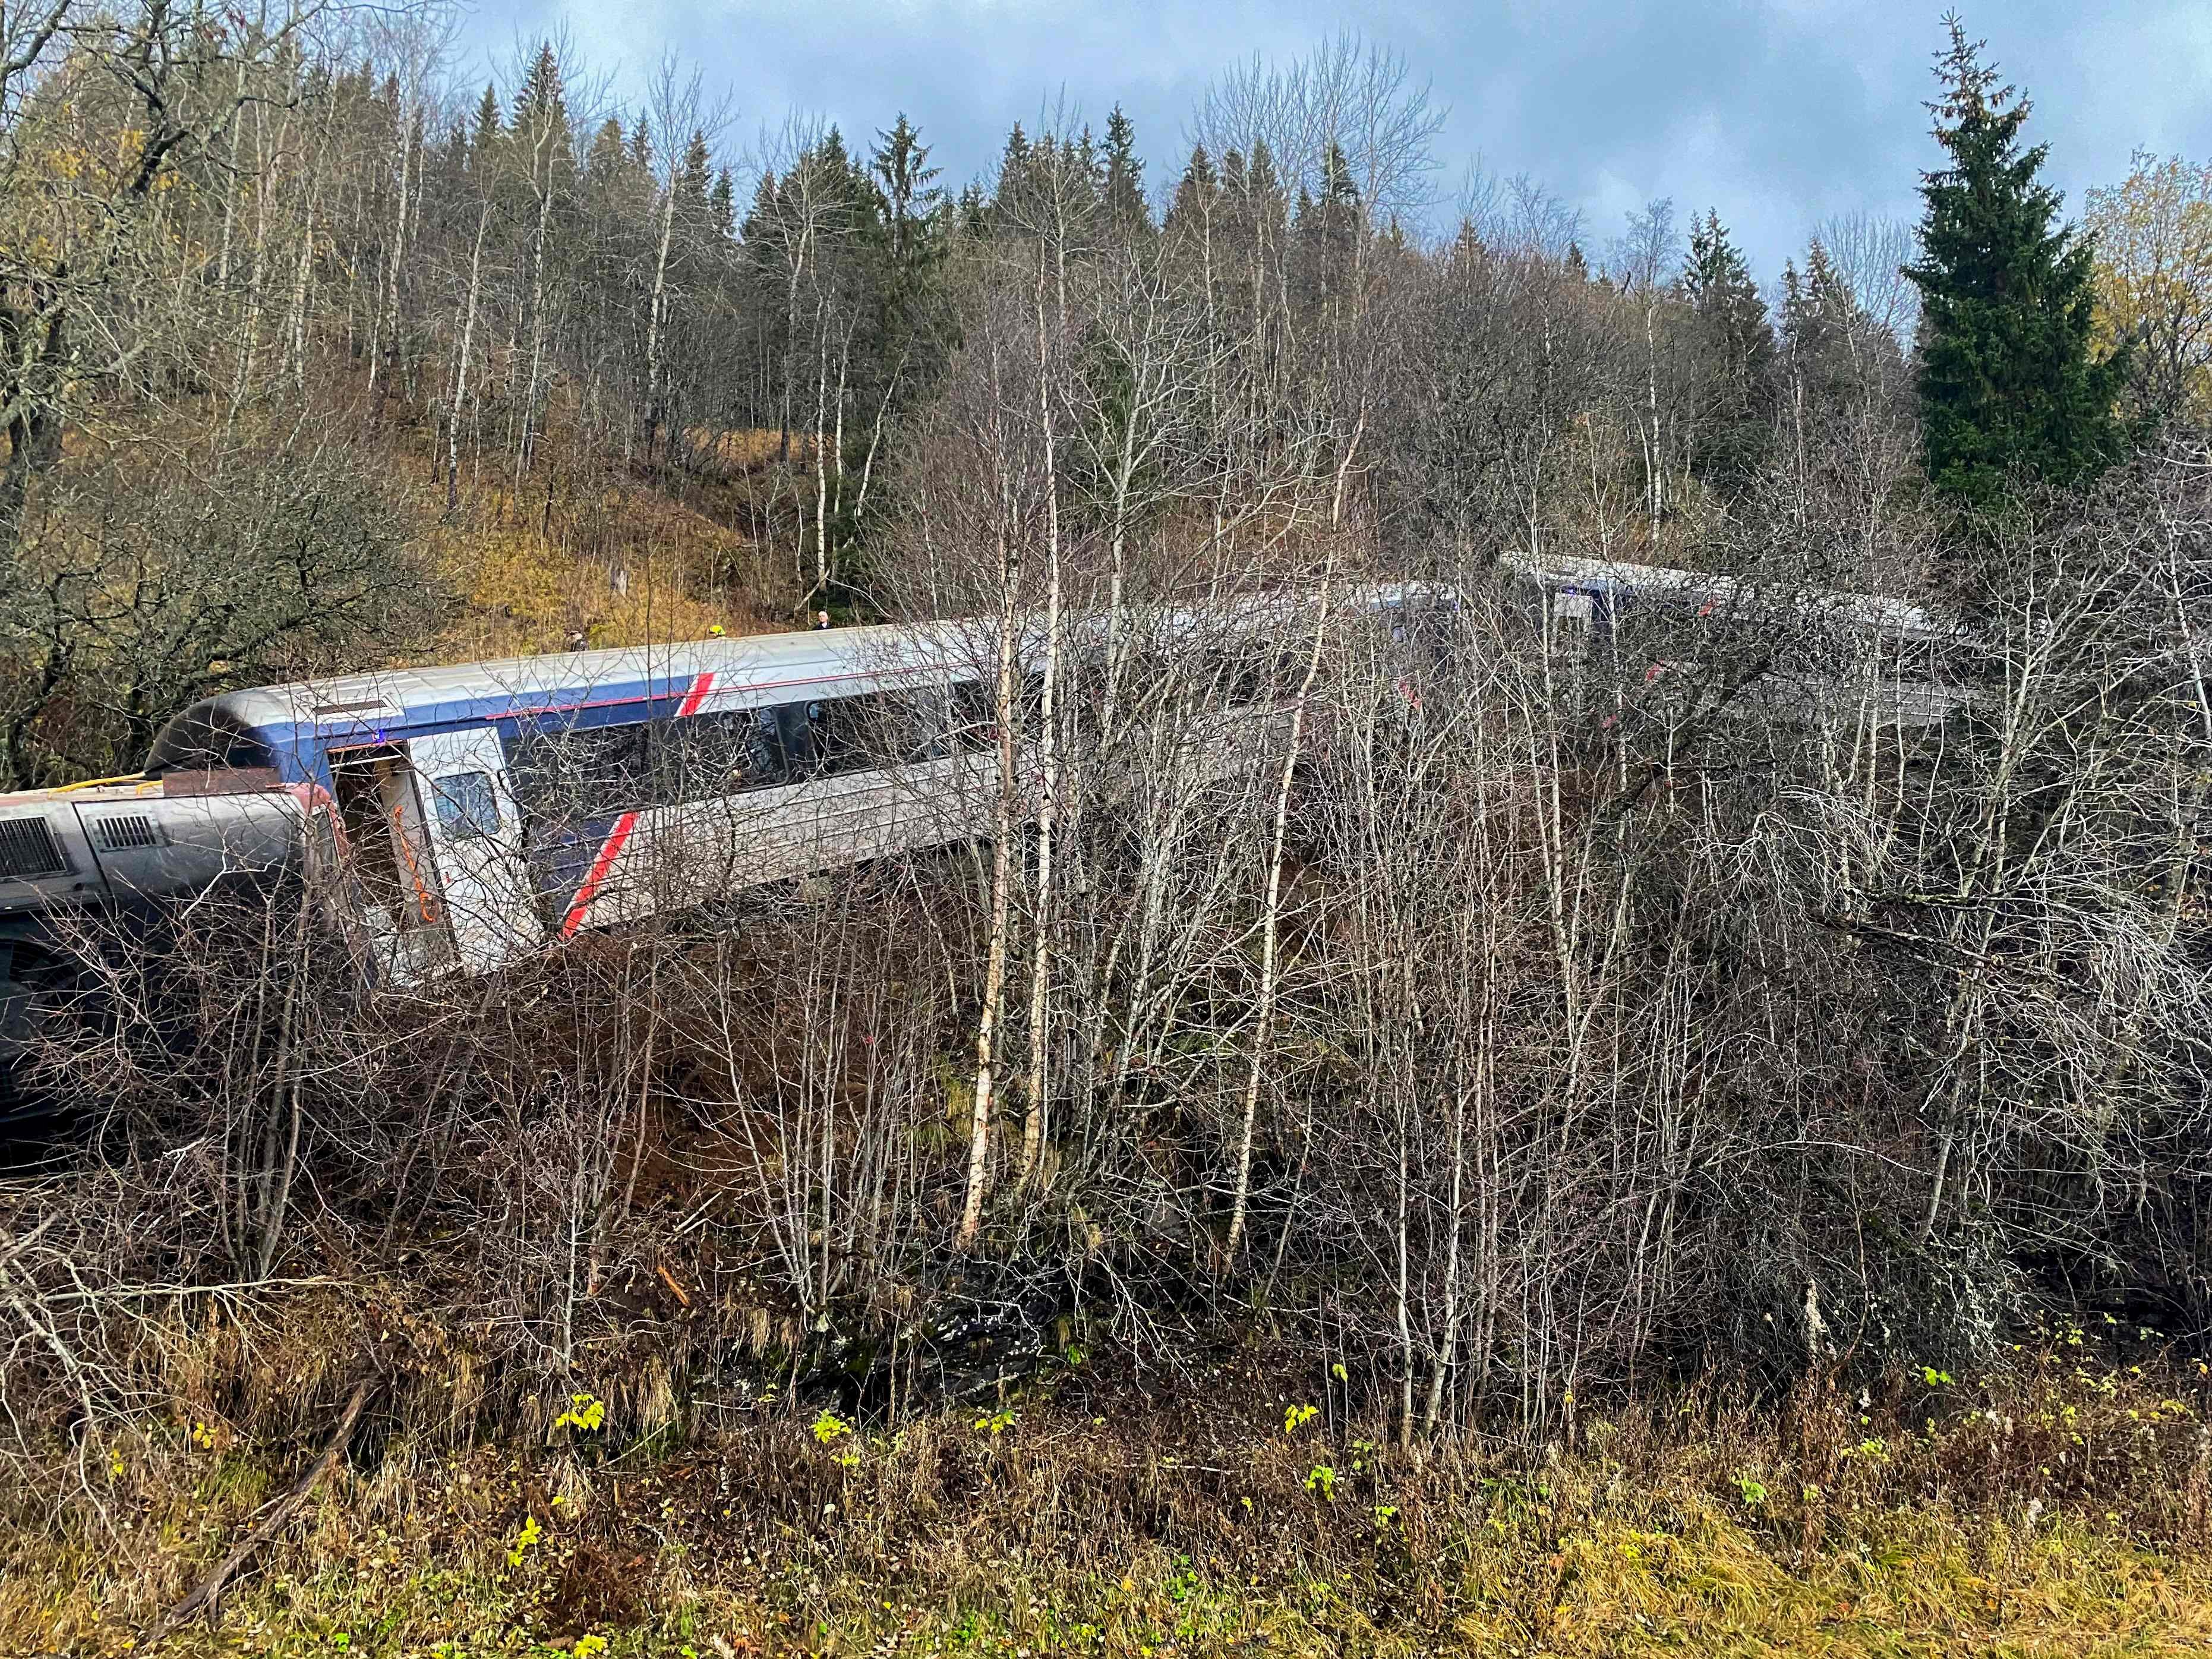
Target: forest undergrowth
pixel 2056 1503
pixel 603 555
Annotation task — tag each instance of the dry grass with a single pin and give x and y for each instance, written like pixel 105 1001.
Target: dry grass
pixel 615 564
pixel 734 454
pixel 2057 1505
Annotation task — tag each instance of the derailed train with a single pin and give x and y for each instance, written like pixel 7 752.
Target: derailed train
pixel 477 813
pixel 480 812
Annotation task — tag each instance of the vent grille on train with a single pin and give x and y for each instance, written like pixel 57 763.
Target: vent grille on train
pixel 125 833
pixel 27 848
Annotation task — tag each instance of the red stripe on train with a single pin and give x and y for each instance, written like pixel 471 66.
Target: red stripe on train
pixel 600 866
pixel 628 822
pixel 697 695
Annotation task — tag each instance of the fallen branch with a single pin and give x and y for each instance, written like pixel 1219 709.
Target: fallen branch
pixel 204 1593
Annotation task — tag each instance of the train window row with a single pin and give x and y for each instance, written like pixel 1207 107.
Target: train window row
pixel 590 771
pixel 559 772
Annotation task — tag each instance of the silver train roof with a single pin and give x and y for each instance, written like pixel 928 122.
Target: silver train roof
pixel 1881 612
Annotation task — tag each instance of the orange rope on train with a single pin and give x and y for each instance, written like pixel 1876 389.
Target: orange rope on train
pixel 426 902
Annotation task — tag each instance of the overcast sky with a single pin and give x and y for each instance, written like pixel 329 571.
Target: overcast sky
pixel 1778 112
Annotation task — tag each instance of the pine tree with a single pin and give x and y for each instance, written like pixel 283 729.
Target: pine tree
pixel 2007 386
pixel 1196 194
pixel 695 178
pixel 1124 188
pixel 974 211
pixel 488 127
pixel 911 196
pixel 1717 282
pixel 1015 166
pixel 1735 348
pixel 828 161
pixel 605 164
pixel 1820 318
pixel 1327 227
pixel 541 108
pixel 1079 159
pixel 722 205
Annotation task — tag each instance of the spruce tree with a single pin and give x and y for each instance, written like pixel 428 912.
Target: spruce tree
pixel 909 183
pixel 916 226
pixel 488 127
pixel 1200 183
pixel 2008 386
pixel 722 205
pixel 604 166
pixel 1124 176
pixel 541 102
pixel 1015 164
pixel 1734 347
pixel 1823 329
pixel 1717 282
pixel 694 179
pixel 973 211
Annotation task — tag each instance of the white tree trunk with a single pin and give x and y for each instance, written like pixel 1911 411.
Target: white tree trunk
pixel 1270 925
pixel 1049 744
pixel 461 364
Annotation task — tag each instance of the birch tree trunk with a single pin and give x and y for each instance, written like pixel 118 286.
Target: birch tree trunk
pixel 1004 822
pixel 1270 926
pixel 657 306
pixel 387 291
pixel 526 442
pixel 461 364
pixel 1049 744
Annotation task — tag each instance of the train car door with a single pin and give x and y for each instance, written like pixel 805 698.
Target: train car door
pixel 394 878
pixel 476 833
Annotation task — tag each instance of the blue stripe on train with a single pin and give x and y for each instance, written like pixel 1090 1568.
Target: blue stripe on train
pixel 303 748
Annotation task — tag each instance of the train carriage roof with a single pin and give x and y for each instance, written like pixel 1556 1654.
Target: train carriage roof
pixel 554 681
pixel 394 702
pixel 1883 612
pixel 557 681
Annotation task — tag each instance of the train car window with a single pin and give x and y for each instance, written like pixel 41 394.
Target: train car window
pixel 207 737
pixel 929 732
pixel 617 765
pixel 1571 615
pixel 537 773
pixel 710 756
pixel 975 723
pixel 795 733
pixel 467 805
pixel 856 734
pixel 1032 700
pixel 588 771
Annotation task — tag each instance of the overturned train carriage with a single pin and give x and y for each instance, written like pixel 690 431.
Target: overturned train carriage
pixel 465 815
pixel 488 809
pixel 129 845
pixel 471 814
pixel 1823 654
